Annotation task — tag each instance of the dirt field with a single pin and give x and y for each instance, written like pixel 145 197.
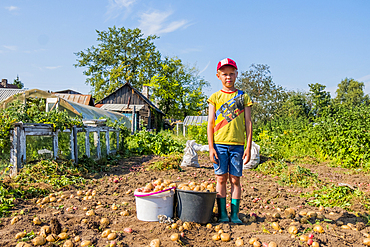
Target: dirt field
pixel 261 195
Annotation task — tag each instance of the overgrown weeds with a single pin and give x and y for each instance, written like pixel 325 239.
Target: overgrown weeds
pixel 168 163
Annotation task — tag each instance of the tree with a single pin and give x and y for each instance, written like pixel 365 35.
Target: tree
pixel 320 98
pixel 122 55
pixel 267 96
pixel 295 106
pixel 178 89
pixel 18 83
pixel 351 93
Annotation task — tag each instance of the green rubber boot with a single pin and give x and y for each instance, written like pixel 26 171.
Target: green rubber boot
pixel 222 213
pixel 235 211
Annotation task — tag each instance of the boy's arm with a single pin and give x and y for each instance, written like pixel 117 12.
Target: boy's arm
pixel 248 133
pixel 210 126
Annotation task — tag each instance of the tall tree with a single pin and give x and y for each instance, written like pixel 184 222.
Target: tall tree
pixel 267 96
pixel 177 89
pixel 18 83
pixel 351 93
pixel 297 104
pixel 122 55
pixel 319 97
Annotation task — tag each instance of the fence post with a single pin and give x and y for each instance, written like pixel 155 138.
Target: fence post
pixel 14 151
pixel 97 142
pixel 107 142
pixel 55 143
pixel 87 143
pixel 74 142
pixel 23 146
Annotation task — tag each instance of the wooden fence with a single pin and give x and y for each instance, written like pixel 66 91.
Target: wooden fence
pixel 22 130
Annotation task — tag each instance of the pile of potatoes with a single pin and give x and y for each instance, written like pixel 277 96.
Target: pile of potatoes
pixel 194 186
pixel 157 185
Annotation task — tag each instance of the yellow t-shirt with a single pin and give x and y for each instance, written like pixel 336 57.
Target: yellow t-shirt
pixel 229 120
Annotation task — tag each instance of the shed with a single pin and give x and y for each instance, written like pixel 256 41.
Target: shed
pixel 73 108
pixel 193 120
pixel 127 100
pixel 8 92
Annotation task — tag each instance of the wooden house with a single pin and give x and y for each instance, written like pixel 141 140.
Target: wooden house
pixel 135 105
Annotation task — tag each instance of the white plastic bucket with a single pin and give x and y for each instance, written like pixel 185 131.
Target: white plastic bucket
pixel 149 207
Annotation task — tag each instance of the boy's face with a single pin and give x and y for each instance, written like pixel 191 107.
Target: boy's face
pixel 227 75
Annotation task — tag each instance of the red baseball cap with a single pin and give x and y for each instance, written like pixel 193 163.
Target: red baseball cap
pixel 226 61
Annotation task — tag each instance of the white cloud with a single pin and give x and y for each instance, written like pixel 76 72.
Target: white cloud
pixel 205 68
pixel 53 67
pixel 115 7
pixel 365 78
pixel 156 23
pixel 12 8
pixel 10 47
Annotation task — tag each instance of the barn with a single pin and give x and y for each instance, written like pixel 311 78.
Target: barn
pixel 135 105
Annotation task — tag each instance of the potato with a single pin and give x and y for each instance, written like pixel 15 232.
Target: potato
pixel 216 237
pixel 174 225
pixel 366 241
pixel 315 244
pixel 239 242
pixel 175 237
pixel 186 226
pixel 90 213
pixel 20 235
pixel 124 213
pixel 346 227
pixel 289 213
pixel 155 243
pixel 68 243
pixel 23 244
pixel 52 238
pixel 14 220
pixel 53 199
pixel 112 244
pixel 272 244
pixel 106 233
pixel 252 240
pixel 181 228
pixel 36 221
pixel 112 236
pixel 39 240
pixel 114 207
pixel 276 215
pixel 303 213
pixel 257 244
pixel 312 214
pixel 225 237
pixel 45 200
pixel 293 230
pixel 77 239
pixel 85 243
pixel 63 236
pixel 275 226
pixel 318 228
pixel 104 221
pixel 209 226
pixel 303 238
pixel 217 228
pixel 84 221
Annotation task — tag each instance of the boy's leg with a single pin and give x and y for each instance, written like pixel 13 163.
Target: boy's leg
pixel 236 168
pixel 221 197
pixel 221 171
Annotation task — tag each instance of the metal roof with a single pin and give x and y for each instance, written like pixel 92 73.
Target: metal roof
pixel 78 98
pixel 90 112
pixel 120 107
pixel 8 92
pixel 195 120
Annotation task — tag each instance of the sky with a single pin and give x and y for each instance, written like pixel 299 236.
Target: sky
pixel 303 42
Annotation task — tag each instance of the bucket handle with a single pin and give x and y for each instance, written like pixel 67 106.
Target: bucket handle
pixel 157 192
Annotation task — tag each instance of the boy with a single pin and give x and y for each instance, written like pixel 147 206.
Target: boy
pixel 229 126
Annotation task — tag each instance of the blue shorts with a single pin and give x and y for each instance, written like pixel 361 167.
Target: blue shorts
pixel 230 159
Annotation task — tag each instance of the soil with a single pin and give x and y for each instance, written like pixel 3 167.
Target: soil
pixel 70 213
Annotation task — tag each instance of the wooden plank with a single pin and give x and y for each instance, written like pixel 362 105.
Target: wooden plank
pixel 87 143
pixel 107 143
pixel 55 144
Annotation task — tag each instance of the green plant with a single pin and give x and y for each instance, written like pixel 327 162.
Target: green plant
pixel 198 133
pixel 170 162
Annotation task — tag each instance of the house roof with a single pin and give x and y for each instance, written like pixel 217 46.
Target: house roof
pixel 138 93
pixel 119 107
pixel 78 98
pixel 67 91
pixel 195 120
pixel 8 92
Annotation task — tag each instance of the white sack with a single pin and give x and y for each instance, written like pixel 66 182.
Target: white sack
pixel 255 157
pixel 190 155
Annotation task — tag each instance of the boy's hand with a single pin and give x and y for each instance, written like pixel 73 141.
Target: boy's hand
pixel 212 155
pixel 246 156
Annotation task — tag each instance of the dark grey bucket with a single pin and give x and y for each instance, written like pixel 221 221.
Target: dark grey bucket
pixel 195 206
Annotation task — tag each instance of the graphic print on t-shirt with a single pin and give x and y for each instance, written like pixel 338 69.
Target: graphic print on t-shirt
pixel 230 110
